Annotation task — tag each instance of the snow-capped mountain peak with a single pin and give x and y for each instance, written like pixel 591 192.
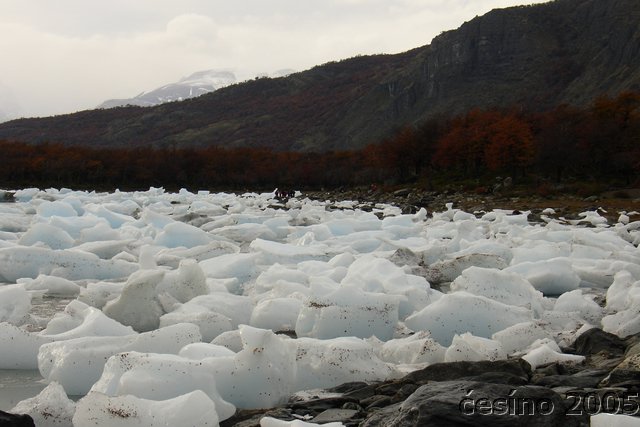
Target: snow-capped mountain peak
pixel 196 84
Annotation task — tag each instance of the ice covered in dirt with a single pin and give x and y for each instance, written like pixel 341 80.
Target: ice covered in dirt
pixel 78 363
pixel 51 408
pixel 461 311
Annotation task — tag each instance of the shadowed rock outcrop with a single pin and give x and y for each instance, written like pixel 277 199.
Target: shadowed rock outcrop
pixel 15 420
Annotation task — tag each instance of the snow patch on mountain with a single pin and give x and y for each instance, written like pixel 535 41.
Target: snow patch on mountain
pixel 196 84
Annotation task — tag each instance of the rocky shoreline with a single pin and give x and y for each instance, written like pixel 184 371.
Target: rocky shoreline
pixel 484 393
pixel 411 199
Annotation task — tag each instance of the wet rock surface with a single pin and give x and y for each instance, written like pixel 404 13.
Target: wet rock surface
pixel 455 403
pixel 491 393
pixel 15 420
pixel 7 196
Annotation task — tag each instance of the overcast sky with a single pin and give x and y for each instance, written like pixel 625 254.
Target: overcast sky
pixel 60 56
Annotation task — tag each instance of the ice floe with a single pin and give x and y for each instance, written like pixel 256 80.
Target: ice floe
pixel 178 308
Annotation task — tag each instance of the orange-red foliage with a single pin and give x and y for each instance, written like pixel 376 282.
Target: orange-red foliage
pixel 510 144
pixel 601 141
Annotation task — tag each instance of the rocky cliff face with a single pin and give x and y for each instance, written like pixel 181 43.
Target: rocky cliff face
pixel 534 57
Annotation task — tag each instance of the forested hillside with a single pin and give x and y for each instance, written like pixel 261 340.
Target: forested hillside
pixel 599 143
pixel 533 58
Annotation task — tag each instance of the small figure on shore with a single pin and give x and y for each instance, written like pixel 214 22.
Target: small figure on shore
pixel 284 195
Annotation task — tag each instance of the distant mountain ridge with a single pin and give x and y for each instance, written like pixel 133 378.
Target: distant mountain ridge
pixel 534 57
pixel 192 86
pixel 196 84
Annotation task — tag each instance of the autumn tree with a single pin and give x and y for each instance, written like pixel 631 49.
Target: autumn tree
pixel 510 145
pixel 557 143
pixel 611 134
pixel 427 135
pixel 464 145
pixel 399 155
